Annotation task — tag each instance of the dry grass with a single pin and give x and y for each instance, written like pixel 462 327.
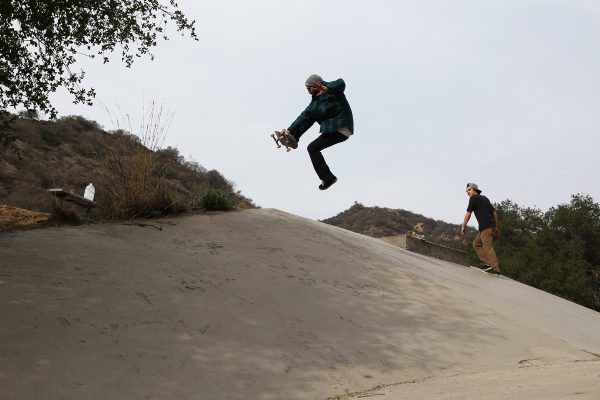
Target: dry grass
pixel 132 187
pixel 17 217
pixel 133 183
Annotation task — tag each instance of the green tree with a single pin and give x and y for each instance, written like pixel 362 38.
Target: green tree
pixel 578 225
pixel 6 119
pixel 517 241
pixel 557 251
pixel 40 40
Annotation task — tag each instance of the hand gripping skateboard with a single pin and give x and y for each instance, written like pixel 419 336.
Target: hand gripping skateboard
pixel 285 138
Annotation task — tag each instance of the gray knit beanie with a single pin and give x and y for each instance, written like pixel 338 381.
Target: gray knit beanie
pixel 314 78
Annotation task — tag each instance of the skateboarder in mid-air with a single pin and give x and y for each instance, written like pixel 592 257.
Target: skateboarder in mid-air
pixel 331 110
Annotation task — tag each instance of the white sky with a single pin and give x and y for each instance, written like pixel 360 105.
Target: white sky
pixel 503 93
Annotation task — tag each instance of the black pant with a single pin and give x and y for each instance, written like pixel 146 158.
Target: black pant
pixel 314 149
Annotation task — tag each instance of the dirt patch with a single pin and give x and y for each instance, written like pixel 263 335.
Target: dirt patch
pixel 13 217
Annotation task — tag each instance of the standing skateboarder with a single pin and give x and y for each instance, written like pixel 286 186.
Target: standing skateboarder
pixel 488 227
pixel 331 110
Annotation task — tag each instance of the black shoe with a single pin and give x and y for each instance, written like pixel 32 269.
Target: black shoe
pixel 327 184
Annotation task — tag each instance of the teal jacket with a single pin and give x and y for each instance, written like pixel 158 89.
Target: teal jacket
pixel 331 110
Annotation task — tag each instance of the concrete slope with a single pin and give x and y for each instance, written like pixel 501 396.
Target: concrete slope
pixel 261 304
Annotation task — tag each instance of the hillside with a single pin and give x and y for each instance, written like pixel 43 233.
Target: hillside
pixel 72 152
pixel 379 222
pixel 224 306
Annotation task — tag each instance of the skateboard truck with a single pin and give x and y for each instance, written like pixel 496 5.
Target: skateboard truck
pixel 274 136
pixel 277 138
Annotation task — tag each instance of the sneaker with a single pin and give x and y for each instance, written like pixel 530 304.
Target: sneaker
pixel 326 184
pixel 488 269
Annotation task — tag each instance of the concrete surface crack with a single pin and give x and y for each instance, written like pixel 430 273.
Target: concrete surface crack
pixel 144 225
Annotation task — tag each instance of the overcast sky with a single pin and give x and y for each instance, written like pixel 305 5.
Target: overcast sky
pixel 505 94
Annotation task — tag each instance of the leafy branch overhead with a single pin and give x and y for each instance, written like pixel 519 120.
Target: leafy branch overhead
pixel 41 40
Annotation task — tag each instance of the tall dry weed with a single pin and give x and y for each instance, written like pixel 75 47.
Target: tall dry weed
pixel 132 183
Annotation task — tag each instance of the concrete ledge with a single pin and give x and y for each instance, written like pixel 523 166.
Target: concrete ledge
pixel 422 246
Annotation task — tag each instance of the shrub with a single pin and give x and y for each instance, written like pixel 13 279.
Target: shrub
pixel 170 172
pixel 171 155
pixel 78 124
pixel 217 180
pixel 129 187
pixel 216 200
pixel 49 137
pixel 133 182
pixel 29 114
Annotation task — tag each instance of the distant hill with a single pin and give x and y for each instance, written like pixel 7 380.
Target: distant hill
pixel 380 222
pixel 72 151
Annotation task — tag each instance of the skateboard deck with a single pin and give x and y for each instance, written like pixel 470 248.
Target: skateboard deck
pixel 285 139
pixel 484 272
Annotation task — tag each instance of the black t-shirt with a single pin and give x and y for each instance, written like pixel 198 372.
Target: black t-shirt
pixel 483 211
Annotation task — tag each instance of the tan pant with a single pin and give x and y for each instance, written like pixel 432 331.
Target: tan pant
pixel 485 251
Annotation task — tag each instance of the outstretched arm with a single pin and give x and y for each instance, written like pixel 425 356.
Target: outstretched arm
pixel 303 123
pixel 466 220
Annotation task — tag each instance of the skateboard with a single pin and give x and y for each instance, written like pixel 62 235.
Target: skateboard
pixel 482 270
pixel 284 138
